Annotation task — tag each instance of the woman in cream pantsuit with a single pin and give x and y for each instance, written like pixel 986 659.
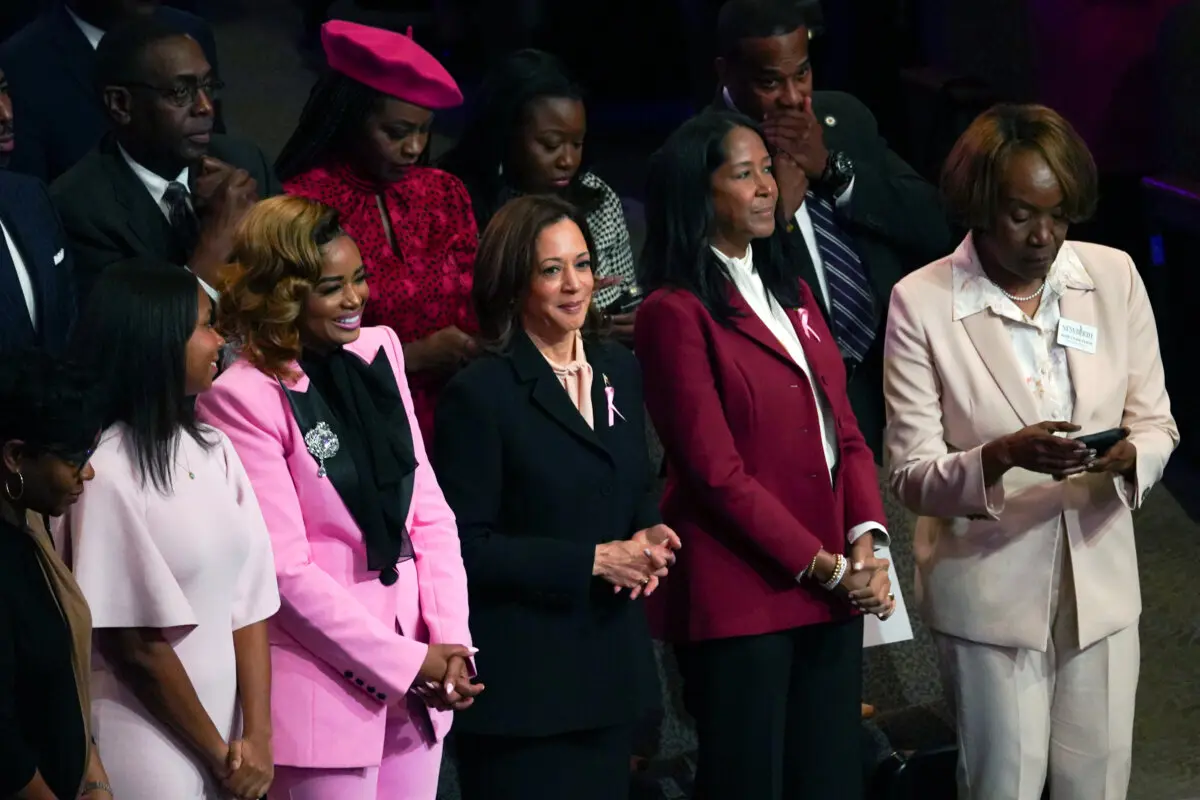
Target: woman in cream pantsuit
pixel 1026 565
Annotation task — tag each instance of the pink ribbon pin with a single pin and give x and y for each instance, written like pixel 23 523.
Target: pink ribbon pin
pixel 610 393
pixel 808 330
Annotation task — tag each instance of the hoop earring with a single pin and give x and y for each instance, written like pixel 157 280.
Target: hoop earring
pixel 20 492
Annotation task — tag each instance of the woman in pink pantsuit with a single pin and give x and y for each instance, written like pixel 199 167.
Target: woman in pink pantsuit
pixel 169 547
pixel 370 651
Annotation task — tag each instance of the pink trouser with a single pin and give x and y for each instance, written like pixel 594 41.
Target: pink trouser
pixel 409 772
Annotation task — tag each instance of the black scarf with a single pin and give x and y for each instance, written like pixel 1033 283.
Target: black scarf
pixel 373 430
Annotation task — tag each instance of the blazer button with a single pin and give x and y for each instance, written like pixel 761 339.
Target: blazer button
pixel 606 490
pixel 358 681
pixel 381 696
pixel 371 689
pixel 347 674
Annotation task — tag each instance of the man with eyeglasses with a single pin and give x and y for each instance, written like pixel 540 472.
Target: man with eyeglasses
pixel 162 182
pixel 51 63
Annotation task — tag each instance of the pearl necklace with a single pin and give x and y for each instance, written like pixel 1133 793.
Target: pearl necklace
pixel 1024 299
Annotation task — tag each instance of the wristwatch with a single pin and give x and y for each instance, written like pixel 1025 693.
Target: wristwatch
pixel 839 171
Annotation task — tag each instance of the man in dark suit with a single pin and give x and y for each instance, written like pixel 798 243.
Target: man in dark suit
pixel 856 217
pixel 36 306
pixel 161 183
pixel 52 64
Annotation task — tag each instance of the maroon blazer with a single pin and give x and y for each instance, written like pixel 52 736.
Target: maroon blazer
pixel 748 488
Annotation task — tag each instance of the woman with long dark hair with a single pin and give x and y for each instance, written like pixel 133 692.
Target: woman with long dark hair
pixel 362 147
pixel 526 136
pixel 171 551
pixel 769 482
pixel 48 431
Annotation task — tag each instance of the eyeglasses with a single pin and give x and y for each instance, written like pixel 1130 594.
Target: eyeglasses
pixel 77 459
pixel 185 93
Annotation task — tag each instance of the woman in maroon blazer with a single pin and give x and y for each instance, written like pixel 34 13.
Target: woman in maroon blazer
pixel 769 482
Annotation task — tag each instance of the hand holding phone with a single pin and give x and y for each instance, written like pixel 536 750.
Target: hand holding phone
pixel 1102 442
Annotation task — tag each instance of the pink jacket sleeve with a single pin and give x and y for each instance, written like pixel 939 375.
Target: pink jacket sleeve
pixel 316 609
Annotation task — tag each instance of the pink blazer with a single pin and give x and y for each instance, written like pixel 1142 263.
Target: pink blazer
pixel 986 555
pixel 344 647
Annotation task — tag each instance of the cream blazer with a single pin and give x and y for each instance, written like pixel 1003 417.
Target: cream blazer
pixel 986 556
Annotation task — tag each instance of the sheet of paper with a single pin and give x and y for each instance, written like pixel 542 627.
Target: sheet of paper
pixel 897 628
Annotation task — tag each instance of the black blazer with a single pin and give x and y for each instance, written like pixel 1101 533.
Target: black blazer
pixel 33 224
pixel 534 490
pixel 897 223
pixel 51 67
pixel 109 215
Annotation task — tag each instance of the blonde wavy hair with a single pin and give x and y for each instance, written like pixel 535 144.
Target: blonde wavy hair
pixel 278 255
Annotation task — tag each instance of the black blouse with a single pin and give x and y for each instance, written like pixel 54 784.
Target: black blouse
pixel 41 723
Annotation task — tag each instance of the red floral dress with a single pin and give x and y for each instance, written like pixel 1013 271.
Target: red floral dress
pixel 421 285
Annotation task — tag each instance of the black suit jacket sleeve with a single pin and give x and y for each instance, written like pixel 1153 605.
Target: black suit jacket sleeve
pixel 890 199
pixel 91 251
pixel 469 461
pixel 647 514
pixel 64 274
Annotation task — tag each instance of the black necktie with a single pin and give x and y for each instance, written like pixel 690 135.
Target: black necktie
pixel 182 217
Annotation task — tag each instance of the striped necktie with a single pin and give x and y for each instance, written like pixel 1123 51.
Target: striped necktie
pixel 851 303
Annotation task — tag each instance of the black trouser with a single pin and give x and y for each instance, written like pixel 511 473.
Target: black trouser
pixel 584 765
pixel 778 715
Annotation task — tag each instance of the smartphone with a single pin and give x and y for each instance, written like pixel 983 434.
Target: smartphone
pixel 629 300
pixel 1102 442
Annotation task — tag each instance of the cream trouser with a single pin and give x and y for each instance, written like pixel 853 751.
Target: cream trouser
pixel 1023 714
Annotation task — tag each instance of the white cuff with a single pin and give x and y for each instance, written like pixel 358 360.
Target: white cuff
pixel 882 539
pixel 843 199
pixel 208 290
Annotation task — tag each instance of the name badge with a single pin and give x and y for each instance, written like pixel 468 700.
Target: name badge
pixel 1077 335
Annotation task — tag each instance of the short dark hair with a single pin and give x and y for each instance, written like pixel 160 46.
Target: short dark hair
pixel 504 99
pixel 51 404
pixel 120 56
pixel 973 172
pixel 680 220
pixel 135 330
pixel 505 263
pixel 758 19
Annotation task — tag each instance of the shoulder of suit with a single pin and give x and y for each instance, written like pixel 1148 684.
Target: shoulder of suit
pixel 613 354
pixel 481 377
pixel 936 274
pixel 13 182
pixel 87 175
pixel 839 104
pixel 672 298
pixel 28 42
pixel 1103 263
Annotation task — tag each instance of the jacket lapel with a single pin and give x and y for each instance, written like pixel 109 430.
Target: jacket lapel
pixel 1078 304
pixel 751 325
pixel 142 215
pixel 12 299
pixel 548 394
pixel 994 345
pixel 76 53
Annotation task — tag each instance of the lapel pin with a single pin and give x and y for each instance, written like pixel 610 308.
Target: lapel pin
pixel 322 443
pixel 610 393
pixel 831 120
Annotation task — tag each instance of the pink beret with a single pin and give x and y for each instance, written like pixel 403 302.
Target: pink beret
pixel 389 62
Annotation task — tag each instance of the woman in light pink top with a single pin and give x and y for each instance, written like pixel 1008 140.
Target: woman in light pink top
pixel 366 549
pixel 170 550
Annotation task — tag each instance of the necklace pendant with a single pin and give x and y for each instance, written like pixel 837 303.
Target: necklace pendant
pixel 191 475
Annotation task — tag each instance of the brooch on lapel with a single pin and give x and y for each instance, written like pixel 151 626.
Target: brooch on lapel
pixel 610 393
pixel 808 329
pixel 323 443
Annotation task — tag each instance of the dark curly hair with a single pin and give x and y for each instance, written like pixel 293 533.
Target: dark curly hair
pixel 504 100
pixel 50 404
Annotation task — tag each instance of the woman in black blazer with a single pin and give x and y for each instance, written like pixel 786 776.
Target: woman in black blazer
pixel 541 452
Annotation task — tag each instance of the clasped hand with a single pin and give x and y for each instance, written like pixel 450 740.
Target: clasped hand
pixel 444 682
pixel 868 586
pixel 639 562
pixel 248 767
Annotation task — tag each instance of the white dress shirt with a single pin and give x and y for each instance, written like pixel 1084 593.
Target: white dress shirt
pixel 23 277
pixel 90 31
pixel 156 185
pixel 803 221
pixel 748 283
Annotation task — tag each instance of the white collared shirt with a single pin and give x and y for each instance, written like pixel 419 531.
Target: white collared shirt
pixel 23 277
pixel 749 284
pixel 90 31
pixel 1041 360
pixel 804 222
pixel 156 185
